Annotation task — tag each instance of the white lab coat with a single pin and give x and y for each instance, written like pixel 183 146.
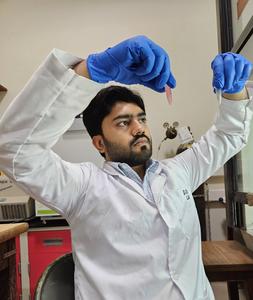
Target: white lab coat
pixel 115 231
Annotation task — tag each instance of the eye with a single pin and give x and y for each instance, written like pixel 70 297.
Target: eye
pixel 143 120
pixel 123 123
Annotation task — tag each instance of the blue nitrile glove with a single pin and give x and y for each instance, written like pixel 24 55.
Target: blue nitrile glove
pixel 137 60
pixel 230 72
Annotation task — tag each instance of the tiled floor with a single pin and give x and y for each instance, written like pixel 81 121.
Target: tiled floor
pixel 220 291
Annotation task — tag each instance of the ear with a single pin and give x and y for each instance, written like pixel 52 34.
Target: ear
pixel 98 142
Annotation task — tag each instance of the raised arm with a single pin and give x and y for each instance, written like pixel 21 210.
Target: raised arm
pixel 231 128
pixel 48 104
pixel 33 123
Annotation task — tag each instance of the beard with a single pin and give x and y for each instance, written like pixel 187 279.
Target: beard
pixel 129 155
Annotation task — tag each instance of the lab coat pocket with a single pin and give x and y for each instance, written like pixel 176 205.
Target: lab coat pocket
pixel 188 217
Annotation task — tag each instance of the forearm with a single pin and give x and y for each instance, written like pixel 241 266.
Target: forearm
pixel 234 116
pixel 43 110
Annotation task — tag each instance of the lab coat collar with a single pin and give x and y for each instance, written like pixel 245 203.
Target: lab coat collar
pixel 109 167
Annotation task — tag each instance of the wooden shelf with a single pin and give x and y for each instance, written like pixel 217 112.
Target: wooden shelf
pixel 215 204
pixel 9 231
pixel 215 179
pixel 2 88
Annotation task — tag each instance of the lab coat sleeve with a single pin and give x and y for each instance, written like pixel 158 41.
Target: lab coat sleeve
pixel 224 139
pixel 33 123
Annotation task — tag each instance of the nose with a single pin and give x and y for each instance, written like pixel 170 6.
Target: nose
pixel 138 128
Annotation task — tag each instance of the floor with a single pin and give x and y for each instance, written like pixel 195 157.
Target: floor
pixel 220 291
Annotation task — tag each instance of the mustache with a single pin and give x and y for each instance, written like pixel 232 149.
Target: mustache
pixel 136 138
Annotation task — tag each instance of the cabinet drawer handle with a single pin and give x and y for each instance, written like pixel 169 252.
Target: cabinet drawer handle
pixel 53 242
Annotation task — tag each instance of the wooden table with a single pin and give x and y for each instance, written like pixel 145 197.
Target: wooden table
pixel 229 261
pixel 8 232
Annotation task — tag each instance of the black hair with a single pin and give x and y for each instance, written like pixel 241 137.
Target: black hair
pixel 101 106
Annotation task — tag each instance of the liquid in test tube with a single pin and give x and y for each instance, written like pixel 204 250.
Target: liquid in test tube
pixel 168 94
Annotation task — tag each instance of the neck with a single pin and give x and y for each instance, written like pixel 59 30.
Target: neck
pixel 140 170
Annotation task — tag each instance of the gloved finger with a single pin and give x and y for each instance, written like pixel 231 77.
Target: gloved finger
pixel 151 84
pixel 158 83
pixel 163 77
pixel 159 88
pixel 147 63
pixel 157 68
pixel 246 71
pixel 166 76
pixel 172 81
pixel 239 66
pixel 229 70
pixel 218 72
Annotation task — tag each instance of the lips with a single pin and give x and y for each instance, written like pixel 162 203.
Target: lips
pixel 140 141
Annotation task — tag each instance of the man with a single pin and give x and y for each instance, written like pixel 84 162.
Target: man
pixel 135 230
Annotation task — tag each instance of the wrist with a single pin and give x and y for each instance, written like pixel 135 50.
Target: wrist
pixel 242 95
pixel 81 69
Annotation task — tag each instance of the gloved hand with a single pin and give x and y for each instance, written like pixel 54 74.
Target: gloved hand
pixel 230 72
pixel 137 60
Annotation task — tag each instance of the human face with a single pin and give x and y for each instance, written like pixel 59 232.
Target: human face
pixel 126 136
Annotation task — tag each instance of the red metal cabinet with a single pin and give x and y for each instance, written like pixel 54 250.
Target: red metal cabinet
pixel 43 246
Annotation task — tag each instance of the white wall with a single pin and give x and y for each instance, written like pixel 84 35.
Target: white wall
pixel 186 29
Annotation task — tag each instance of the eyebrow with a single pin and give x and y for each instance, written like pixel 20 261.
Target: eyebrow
pixel 129 116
